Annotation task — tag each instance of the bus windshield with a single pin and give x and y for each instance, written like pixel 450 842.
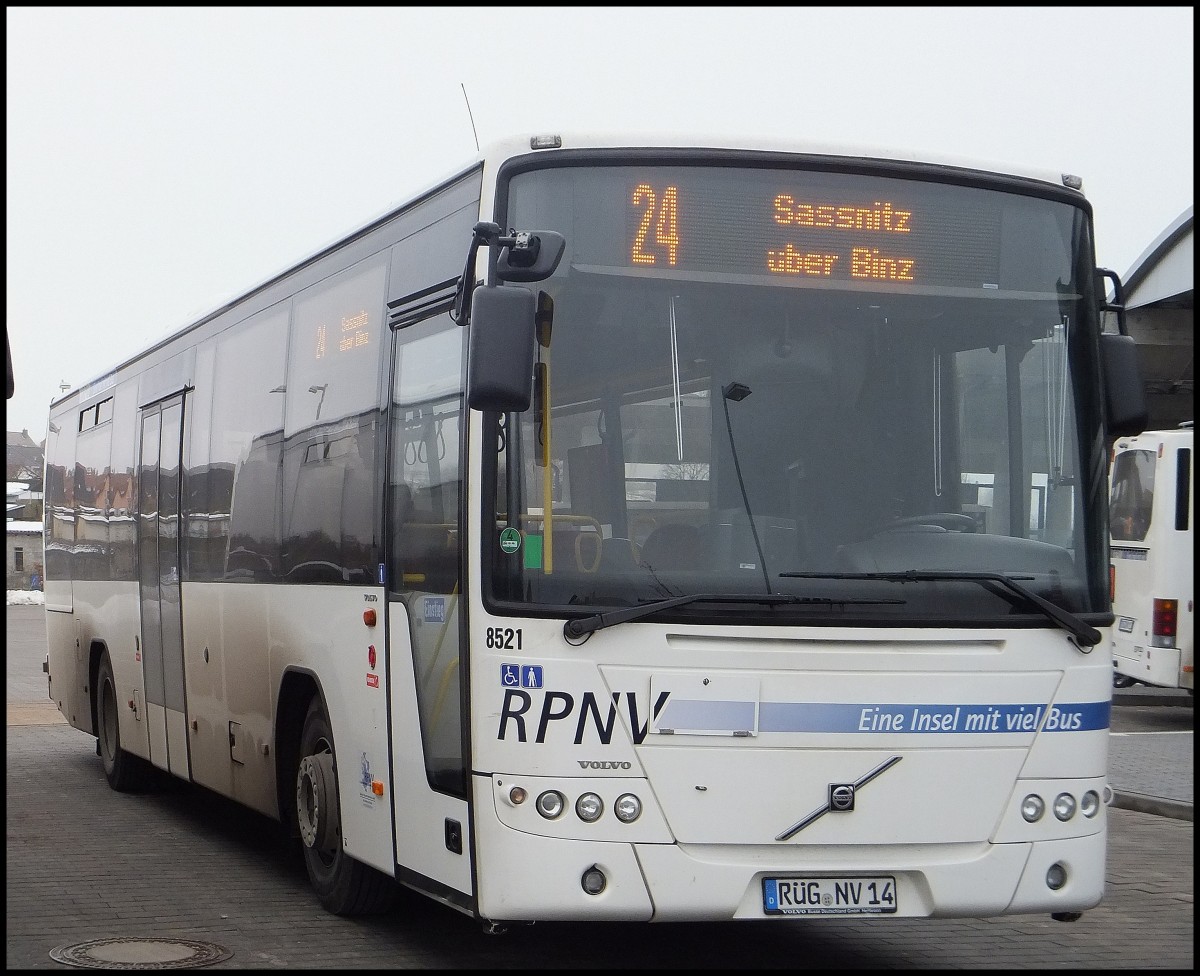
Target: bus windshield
pixel 802 382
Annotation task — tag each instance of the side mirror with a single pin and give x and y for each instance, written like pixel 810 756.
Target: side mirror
pixel 500 360
pixel 531 256
pixel 1125 409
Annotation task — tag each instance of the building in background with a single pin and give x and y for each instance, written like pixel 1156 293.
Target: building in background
pixel 23 464
pixel 23 560
pixel 1158 302
pixel 24 555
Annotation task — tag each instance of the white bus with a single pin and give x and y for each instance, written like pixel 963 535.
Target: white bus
pixel 672 561
pixel 1152 550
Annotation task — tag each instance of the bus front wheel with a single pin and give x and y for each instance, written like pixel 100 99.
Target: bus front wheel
pixel 343 885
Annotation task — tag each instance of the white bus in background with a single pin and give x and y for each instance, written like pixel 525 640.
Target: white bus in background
pixel 627 529
pixel 1151 524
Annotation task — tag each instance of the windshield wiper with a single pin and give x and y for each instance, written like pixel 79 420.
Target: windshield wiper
pixel 1073 625
pixel 584 626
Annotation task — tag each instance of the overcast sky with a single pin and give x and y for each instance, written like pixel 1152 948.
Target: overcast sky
pixel 162 160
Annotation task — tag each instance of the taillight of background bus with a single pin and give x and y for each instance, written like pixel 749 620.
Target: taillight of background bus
pixel 1166 619
pixel 1112 582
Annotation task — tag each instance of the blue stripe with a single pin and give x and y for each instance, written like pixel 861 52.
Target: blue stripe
pixel 933 718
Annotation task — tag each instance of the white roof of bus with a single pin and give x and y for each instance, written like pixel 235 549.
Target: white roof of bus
pixel 516 145
pixel 1151 438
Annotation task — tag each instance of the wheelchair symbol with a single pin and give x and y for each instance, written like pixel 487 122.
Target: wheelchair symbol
pixel 510 675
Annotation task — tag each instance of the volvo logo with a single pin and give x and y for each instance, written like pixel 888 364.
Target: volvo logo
pixel 841 798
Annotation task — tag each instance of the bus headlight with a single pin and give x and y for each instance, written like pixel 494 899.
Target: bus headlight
pixel 1089 806
pixel 1064 806
pixel 589 807
pixel 550 804
pixel 1032 808
pixel 627 808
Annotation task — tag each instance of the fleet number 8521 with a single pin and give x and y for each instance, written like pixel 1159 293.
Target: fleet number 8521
pixel 504 638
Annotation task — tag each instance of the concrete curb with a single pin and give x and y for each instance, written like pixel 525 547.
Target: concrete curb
pixel 1156 805
pixel 1150 696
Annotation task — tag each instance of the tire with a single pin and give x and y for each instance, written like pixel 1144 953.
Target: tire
pixel 343 885
pixel 1123 680
pixel 125 772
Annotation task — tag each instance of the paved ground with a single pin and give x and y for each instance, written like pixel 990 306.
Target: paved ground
pixel 1151 768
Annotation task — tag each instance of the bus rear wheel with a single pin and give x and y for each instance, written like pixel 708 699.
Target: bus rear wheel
pixel 125 772
pixel 343 885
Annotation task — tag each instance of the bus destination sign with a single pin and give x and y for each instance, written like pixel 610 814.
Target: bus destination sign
pixel 815 234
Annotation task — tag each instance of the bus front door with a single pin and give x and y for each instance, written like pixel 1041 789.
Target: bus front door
pixel 158 528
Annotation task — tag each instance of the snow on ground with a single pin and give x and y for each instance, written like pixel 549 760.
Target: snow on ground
pixel 25 597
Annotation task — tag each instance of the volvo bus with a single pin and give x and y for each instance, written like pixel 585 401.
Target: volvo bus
pixel 1153 551
pixel 627 529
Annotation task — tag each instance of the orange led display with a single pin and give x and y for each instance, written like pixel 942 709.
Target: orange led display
pixel 879 217
pixel 661 214
pixel 751 220
pixel 867 262
pixel 826 244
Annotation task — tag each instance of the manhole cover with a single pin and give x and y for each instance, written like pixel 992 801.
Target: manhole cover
pixel 140 954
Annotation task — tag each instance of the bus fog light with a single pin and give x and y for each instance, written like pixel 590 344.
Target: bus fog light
pixel 1032 808
pixel 518 795
pixel 589 807
pixel 550 804
pixel 1056 877
pixel 627 808
pixel 1064 806
pixel 593 880
pixel 1089 805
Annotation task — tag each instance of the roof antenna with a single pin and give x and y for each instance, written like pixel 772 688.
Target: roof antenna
pixel 470 115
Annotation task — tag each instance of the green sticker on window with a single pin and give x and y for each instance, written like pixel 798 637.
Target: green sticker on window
pixel 533 552
pixel 510 540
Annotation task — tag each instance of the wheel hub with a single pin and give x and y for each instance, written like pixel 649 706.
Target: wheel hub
pixel 316 802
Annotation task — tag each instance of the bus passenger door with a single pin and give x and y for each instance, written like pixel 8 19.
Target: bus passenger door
pixel 424 488
pixel 158 528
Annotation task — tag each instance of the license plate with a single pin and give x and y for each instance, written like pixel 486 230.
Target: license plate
pixel 873 895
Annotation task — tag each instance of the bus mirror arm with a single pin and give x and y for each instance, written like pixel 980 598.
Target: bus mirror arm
pixel 522 255
pixel 1117 304
pixel 519 256
pixel 484 233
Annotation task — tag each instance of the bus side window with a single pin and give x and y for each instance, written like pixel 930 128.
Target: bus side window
pixel 424 464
